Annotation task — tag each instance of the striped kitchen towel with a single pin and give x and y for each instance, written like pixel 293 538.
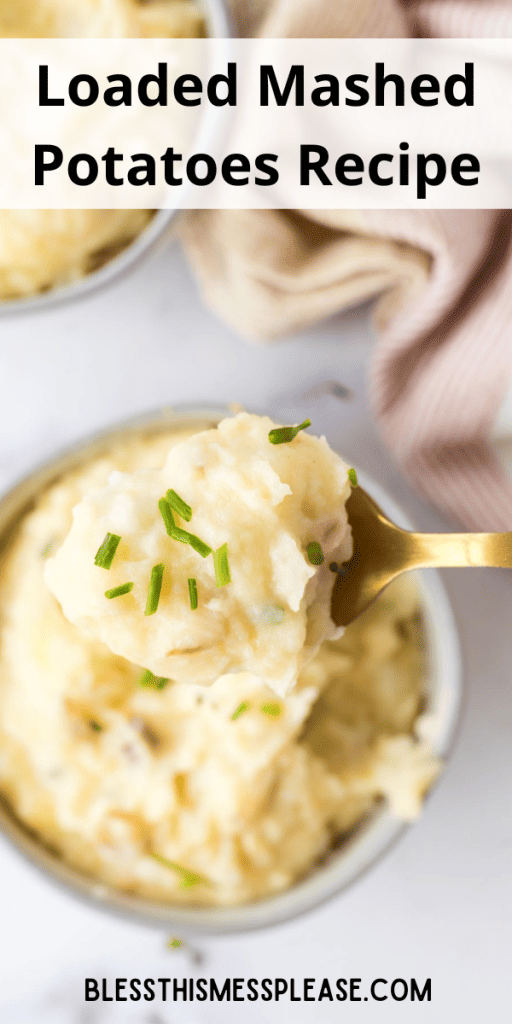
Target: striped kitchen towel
pixel 443 279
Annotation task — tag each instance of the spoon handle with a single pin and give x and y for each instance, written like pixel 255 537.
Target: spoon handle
pixel 453 550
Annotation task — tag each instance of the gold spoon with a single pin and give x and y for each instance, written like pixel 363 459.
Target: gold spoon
pixel 383 551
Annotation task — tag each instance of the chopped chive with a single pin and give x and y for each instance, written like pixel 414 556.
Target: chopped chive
pixel 199 545
pixel 179 506
pixel 167 516
pixel 174 943
pixel 244 706
pixel 105 553
pixel 47 549
pixel 274 710
pixel 148 679
pixel 352 475
pixel 95 726
pixel 182 535
pixel 221 566
pixel 155 586
pixel 192 589
pixel 190 538
pixel 315 553
pixel 188 878
pixel 178 534
pixel 281 435
pixel 119 591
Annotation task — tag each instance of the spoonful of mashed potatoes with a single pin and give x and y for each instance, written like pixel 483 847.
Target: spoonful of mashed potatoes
pixel 216 563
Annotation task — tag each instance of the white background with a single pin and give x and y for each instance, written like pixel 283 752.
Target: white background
pixel 439 905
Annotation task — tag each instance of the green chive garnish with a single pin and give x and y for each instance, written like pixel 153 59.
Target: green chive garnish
pixel 174 944
pixel 47 549
pixel 188 878
pixel 202 549
pixel 155 586
pixel 95 726
pixel 167 516
pixel 177 533
pixel 281 435
pixel 315 553
pixel 148 679
pixel 244 706
pixel 179 506
pixel 119 591
pixel 352 475
pixel 221 566
pixel 105 554
pixel 192 589
pixel 190 538
pixel 274 710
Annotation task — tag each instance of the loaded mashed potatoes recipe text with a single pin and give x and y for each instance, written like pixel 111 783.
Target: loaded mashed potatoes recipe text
pixel 179 716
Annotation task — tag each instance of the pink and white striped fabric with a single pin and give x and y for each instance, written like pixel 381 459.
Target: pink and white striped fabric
pixel 443 359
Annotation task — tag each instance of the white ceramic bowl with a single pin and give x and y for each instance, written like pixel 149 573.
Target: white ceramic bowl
pixel 369 841
pixel 158 231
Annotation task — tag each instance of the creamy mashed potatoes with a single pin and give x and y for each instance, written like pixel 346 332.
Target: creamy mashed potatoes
pixel 267 503
pixel 53 19
pixel 208 795
pixel 44 249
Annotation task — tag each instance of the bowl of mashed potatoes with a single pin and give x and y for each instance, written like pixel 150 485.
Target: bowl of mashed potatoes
pixel 185 736
pixel 47 256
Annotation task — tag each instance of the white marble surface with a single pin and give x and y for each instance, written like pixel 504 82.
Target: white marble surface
pixel 439 905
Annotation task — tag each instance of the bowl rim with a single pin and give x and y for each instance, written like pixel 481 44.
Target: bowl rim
pixel 369 842
pixel 154 235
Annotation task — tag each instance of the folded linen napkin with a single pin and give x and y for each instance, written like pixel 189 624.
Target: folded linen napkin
pixel 443 279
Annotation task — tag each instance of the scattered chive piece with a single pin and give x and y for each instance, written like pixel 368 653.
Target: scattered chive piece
pixel 352 475
pixel 274 710
pixel 315 553
pixel 179 506
pixel 105 554
pixel 178 534
pixel 174 943
pixel 190 538
pixel 47 549
pixel 244 706
pixel 221 566
pixel 188 878
pixel 148 679
pixel 119 591
pixel 281 435
pixel 192 589
pixel 155 586
pixel 199 545
pixel 167 516
pixel 95 726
